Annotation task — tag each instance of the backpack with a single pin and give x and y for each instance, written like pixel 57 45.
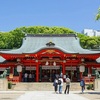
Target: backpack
pixel 55 82
pixel 59 82
pixel 82 83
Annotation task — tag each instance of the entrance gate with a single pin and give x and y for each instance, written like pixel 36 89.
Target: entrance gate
pixel 48 73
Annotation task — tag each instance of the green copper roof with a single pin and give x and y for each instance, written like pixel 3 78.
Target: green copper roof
pixel 66 43
pixel 2 59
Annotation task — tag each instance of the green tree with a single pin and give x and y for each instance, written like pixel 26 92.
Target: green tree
pixel 18 35
pixel 6 40
pixel 98 14
pixel 13 39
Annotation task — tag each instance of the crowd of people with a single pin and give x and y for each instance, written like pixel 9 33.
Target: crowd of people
pixel 28 77
pixel 58 84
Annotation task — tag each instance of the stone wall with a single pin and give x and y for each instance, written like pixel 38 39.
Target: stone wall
pixel 97 84
pixel 3 84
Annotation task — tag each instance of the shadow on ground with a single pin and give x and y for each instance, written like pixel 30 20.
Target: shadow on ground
pixel 95 93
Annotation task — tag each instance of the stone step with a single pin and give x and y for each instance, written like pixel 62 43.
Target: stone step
pixel 43 86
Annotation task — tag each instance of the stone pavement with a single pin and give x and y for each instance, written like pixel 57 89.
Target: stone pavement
pixel 50 95
pixel 10 95
pixel 45 91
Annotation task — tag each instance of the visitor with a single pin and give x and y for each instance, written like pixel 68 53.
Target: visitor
pixel 60 83
pixel 61 74
pixel 82 84
pixel 30 77
pixel 25 77
pixel 55 84
pixel 67 80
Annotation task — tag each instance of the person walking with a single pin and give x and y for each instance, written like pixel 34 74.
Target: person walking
pixel 55 84
pixel 82 84
pixel 67 80
pixel 60 83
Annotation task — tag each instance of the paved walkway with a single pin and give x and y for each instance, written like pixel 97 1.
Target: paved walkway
pixel 10 95
pixel 50 95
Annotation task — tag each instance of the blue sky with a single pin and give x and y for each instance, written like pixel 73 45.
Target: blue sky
pixel 74 14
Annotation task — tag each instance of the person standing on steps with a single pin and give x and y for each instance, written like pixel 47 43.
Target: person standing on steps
pixel 67 80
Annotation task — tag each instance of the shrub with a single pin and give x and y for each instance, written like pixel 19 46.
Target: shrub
pixel 9 85
pixel 90 86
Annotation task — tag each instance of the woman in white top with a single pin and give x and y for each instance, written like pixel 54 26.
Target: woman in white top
pixel 60 83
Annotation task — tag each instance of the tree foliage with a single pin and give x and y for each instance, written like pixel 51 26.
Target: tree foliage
pixel 13 39
pixel 98 14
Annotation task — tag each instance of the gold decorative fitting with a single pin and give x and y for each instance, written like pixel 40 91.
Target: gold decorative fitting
pixel 18 60
pixel 27 55
pixel 73 55
pixel 50 51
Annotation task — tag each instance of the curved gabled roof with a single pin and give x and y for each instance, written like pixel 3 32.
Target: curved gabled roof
pixel 66 43
pixel 2 59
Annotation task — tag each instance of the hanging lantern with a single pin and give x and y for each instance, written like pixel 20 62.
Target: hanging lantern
pixel 47 63
pixel 54 63
pixel 82 68
pixel 19 68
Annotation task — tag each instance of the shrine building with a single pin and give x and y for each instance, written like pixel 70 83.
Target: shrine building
pixel 49 55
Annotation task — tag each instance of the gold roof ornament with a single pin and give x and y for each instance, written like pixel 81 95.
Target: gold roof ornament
pixel 50 51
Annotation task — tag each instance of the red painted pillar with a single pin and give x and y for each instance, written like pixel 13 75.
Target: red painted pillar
pixel 63 68
pixel 11 69
pixel 90 70
pixel 20 76
pixel 81 75
pixel 37 71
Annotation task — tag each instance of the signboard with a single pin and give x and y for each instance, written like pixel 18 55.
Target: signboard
pixel 70 68
pixel 31 68
pixel 50 67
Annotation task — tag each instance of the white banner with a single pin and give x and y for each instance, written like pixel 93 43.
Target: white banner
pixel 31 68
pixel 70 68
pixel 50 67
